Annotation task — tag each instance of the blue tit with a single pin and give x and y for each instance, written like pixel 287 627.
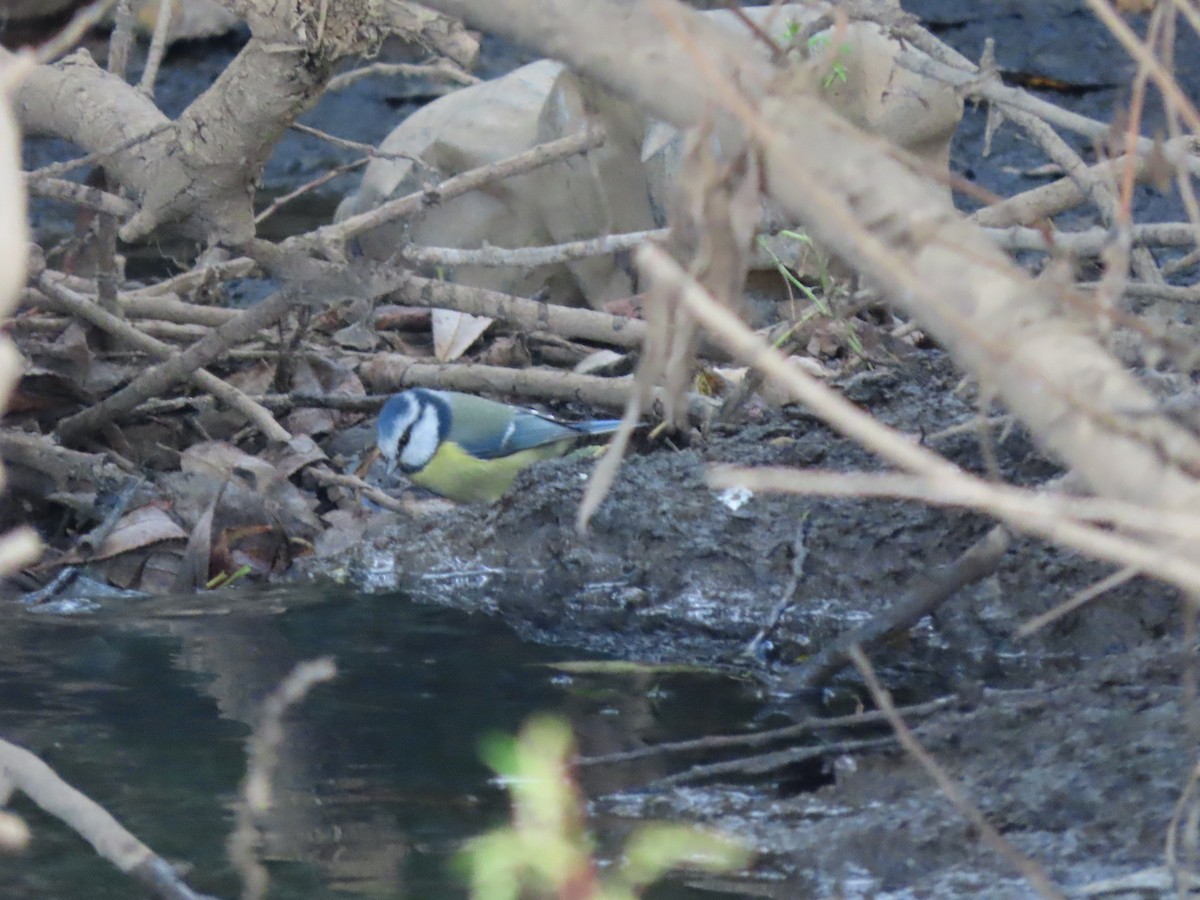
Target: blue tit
pixel 470 449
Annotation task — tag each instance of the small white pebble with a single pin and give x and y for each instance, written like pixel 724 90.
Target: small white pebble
pixel 735 498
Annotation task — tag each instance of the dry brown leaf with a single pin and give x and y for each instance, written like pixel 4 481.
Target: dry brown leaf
pixel 323 376
pixel 390 317
pixel 299 452
pixel 258 493
pixel 356 336
pixel 455 332
pixel 159 572
pixel 194 567
pixel 138 528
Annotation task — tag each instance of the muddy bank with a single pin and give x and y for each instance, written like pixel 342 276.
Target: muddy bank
pixel 1071 741
pixel 1075 750
pixel 1081 775
pixel 673 570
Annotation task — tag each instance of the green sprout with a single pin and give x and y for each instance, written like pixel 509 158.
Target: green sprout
pixel 817 45
pixel 546 851
pixel 226 579
pixel 818 301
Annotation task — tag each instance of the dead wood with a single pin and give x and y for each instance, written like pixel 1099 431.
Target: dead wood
pixel 58 296
pixel 178 366
pixel 518 312
pixel 197 173
pixel 393 372
pixel 62 465
pixel 977 562
pixel 856 196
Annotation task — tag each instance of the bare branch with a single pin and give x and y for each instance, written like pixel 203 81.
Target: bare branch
pixel 22 770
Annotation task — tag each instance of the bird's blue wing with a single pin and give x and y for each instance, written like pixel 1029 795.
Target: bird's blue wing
pixel 524 431
pixel 489 430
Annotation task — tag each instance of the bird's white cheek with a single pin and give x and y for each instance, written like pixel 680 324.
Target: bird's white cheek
pixel 422 441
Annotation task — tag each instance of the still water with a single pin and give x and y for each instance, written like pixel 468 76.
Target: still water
pixel 147 711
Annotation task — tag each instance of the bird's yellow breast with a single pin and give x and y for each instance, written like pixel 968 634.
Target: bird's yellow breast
pixel 456 474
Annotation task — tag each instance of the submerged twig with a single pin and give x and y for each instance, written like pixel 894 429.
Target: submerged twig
pixel 760 738
pixel 975 563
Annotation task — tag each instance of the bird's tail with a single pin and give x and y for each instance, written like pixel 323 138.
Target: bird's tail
pixel 597 426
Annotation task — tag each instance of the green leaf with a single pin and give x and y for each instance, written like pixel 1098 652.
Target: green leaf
pixel 655 849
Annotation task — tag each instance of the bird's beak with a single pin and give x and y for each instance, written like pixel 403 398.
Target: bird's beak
pixel 390 465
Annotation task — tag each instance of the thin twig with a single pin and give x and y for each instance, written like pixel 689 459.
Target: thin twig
pixel 194 279
pixel 1087 595
pixel 81 23
pixel 517 312
pixel 84 195
pixel 310 185
pixel 787 596
pixel 440 69
pixel 766 763
pixel 997 499
pixel 526 257
pixel 760 738
pixel 80 306
pixel 55 170
pixel 1033 871
pixel 108 278
pixel 1144 56
pixel 158 47
pixel 368 150
pixel 519 164
pixel 179 365
pixel 328 477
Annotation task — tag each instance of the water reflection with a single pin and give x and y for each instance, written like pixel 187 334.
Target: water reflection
pixel 147 710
